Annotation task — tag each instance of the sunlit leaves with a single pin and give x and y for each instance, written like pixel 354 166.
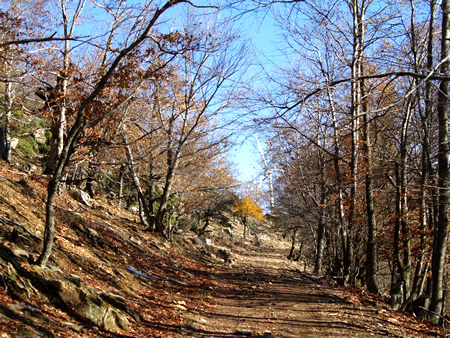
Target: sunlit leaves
pixel 246 207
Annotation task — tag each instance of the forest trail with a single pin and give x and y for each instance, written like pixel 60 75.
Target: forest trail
pixel 264 295
pixel 148 287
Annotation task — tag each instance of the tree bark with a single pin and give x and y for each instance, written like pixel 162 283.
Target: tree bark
pixel 5 142
pixel 143 208
pixel 352 239
pixel 427 213
pixel 60 89
pixel 121 175
pixel 172 163
pixel 321 228
pixel 347 252
pixel 294 237
pixel 372 259
pixel 52 190
pixel 441 231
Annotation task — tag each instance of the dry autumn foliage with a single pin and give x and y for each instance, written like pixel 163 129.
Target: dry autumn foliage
pixel 246 207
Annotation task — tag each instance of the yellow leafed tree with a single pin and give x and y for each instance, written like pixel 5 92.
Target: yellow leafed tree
pixel 246 207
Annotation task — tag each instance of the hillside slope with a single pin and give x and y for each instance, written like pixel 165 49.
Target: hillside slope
pixel 107 277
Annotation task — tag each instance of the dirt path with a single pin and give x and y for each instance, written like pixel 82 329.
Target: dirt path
pixel 265 295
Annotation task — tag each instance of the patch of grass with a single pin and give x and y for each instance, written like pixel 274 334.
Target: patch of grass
pixel 28 146
pixel 18 113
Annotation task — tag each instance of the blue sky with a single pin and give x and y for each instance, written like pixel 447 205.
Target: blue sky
pixel 247 154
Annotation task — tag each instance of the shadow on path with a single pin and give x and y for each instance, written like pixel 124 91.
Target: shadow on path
pixel 260 297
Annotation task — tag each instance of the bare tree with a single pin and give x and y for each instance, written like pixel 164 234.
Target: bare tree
pixel 138 35
pixel 441 231
pixel 187 104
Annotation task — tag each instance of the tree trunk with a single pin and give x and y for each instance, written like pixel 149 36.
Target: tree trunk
pixel 320 246
pixel 427 213
pixel 5 142
pixel 402 267
pixel 291 252
pixel 245 220
pixel 372 260
pixel 347 253
pixel 60 89
pixel 352 239
pixel 321 230
pixel 49 233
pixel 90 179
pixel 441 231
pixel 361 102
pixel 172 164
pixel 143 209
pixel 121 175
pixel 53 187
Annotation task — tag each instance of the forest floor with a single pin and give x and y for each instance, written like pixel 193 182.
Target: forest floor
pixel 107 277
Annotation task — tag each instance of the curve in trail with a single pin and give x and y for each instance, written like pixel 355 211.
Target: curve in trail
pixel 264 295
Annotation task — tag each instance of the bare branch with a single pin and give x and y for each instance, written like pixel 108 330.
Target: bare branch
pixel 26 41
pixel 424 77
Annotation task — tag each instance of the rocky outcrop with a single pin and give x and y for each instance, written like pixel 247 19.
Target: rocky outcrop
pixel 81 196
pixel 88 303
pixel 84 303
pixel 40 136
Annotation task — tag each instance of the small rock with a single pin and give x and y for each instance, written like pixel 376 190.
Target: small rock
pixel 136 240
pixel 114 321
pixel 81 196
pixel 228 231
pixel 246 333
pixel 224 254
pixel 93 232
pixel 26 308
pixel 32 169
pixel 75 280
pixel 14 142
pixel 39 136
pixel 72 326
pixel 56 285
pixel 18 253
